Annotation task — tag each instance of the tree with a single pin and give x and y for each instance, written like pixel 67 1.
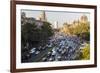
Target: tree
pixel 85 55
pixel 31 36
pixel 47 29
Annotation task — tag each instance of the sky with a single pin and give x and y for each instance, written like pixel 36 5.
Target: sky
pixel 57 16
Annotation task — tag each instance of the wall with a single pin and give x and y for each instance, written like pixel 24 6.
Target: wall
pixel 5 36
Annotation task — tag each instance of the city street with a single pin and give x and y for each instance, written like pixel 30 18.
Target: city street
pixel 58 48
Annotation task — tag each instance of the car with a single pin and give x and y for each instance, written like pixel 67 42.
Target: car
pixel 32 50
pixel 37 52
pixel 44 59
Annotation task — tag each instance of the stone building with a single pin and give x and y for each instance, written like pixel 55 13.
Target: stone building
pixel 84 19
pixel 39 21
pixel 42 16
pixel 67 28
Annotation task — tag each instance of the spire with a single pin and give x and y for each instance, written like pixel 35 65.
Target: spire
pixel 43 16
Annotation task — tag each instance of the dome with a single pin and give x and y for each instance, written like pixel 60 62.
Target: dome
pixel 84 17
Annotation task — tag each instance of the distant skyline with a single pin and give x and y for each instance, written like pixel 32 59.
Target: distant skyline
pixel 57 16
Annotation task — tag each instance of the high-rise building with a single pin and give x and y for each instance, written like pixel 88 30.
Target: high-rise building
pixel 55 25
pixel 42 16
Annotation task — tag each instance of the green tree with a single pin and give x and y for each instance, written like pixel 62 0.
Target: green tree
pixel 47 29
pixel 31 36
pixel 85 55
pixel 30 33
pixel 27 32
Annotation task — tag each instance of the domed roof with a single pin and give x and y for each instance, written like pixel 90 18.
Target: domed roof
pixel 84 17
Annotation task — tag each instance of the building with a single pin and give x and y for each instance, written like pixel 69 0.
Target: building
pixel 84 19
pixel 75 23
pixel 38 22
pixel 42 16
pixel 55 25
pixel 23 18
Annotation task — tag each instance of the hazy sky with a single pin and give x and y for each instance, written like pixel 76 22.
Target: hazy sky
pixel 59 16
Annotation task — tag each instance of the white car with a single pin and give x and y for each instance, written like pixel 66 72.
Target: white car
pixel 32 50
pixel 37 52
